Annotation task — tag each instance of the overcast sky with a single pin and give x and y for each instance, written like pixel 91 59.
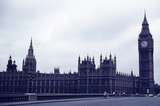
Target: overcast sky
pixel 64 29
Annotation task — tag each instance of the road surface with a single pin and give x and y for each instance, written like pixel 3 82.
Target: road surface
pixel 124 101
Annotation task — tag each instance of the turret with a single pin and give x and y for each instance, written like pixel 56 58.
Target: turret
pixel 110 56
pixel 108 66
pixel 115 63
pixel 79 60
pixel 100 58
pixel 10 60
pixel 86 66
pixel 11 66
pixel 23 64
pixel 93 60
pixel 14 66
pixel 132 73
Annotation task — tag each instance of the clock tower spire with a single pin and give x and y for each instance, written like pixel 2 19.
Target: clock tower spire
pixel 145 32
pixel 146 66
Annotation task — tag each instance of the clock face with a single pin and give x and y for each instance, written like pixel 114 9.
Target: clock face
pixel 144 44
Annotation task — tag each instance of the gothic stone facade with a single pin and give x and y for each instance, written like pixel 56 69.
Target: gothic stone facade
pixel 88 79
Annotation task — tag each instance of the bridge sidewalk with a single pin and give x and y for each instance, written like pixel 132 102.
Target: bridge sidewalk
pixel 46 101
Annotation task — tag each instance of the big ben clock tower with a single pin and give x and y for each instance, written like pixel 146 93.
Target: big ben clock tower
pixel 146 65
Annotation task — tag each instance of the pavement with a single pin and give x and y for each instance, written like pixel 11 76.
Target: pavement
pixel 46 101
pixel 120 101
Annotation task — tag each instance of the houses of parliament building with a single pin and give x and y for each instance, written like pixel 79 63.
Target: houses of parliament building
pixel 88 79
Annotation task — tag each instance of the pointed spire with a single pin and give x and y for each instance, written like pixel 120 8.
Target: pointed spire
pixel 93 59
pixel 30 61
pixel 10 60
pixel 132 72
pixel 30 51
pixel 31 46
pixel 87 58
pixel 100 58
pixel 114 59
pixel 145 32
pixel 10 57
pixel 110 56
pixel 105 58
pixel 115 63
pixel 23 63
pixel 14 62
pixel 145 22
pixel 79 59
